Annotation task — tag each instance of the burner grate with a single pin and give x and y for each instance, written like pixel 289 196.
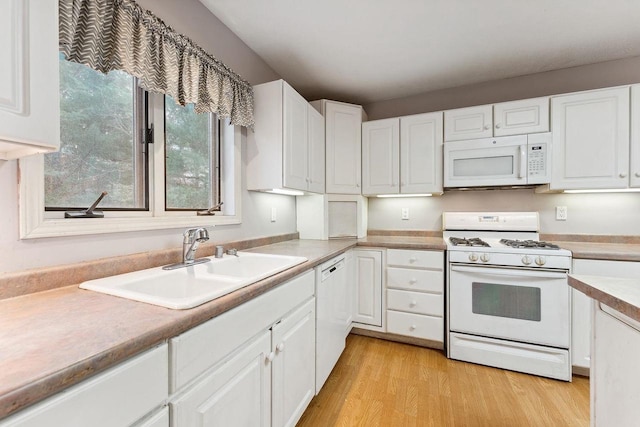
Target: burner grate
pixel 528 244
pixel 475 241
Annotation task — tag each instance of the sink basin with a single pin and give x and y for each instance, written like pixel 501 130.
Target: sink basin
pixel 191 286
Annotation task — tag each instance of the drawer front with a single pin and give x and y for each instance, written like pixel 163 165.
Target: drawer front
pixel 415 280
pixel 415 302
pixel 418 259
pixel 117 397
pixel 415 325
pixel 202 347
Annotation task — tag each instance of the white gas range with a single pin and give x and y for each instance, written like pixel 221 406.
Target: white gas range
pixel 507 302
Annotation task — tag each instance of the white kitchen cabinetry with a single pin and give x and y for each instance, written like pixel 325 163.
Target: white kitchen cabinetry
pixel 343 136
pixel 581 312
pixel 415 294
pixel 634 175
pixel 615 377
pixel 381 157
pixel 293 346
pixel 468 123
pixel 402 155
pixel 116 397
pixel 590 140
pixel 286 150
pixel 368 284
pixel 29 78
pixel 234 368
pixel 503 119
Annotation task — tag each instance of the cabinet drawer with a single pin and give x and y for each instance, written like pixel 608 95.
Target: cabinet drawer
pixel 202 347
pixel 417 259
pixel 116 397
pixel 415 302
pixel 415 325
pixel 415 280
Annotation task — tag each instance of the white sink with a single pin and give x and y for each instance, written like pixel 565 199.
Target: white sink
pixel 191 286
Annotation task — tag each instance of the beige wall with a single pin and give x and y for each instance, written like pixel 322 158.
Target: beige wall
pixel 191 18
pixel 604 74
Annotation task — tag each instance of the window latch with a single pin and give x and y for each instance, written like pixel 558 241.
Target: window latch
pixel 89 212
pixel 211 210
pixel 148 134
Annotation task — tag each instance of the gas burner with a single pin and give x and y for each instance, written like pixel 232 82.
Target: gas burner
pixel 457 241
pixel 528 244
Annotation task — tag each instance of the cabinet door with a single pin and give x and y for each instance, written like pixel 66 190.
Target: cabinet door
pixel 590 140
pixel 520 117
pixel 294 368
pixel 421 153
pixel 236 392
pixel 368 281
pixel 380 157
pixel 29 99
pixel 634 171
pixel 468 123
pixel 316 151
pixel 296 147
pixel 343 124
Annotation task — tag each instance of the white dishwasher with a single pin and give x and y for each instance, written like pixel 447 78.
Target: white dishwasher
pixel 331 280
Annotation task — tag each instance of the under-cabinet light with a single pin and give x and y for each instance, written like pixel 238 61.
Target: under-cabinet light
pixel 286 192
pixel 612 190
pixel 404 195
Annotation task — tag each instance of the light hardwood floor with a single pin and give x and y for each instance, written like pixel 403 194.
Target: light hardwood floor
pixel 383 383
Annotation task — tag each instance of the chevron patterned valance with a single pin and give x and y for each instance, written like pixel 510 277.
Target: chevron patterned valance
pixel 119 35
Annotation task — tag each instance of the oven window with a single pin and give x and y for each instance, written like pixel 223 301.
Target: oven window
pixel 514 302
pixel 484 166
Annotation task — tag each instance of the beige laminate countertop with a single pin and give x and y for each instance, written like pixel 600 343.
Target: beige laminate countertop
pixel 620 294
pixel 603 251
pixel 51 340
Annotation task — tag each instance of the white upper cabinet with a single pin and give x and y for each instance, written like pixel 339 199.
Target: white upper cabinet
pixel 343 136
pixel 283 151
pixel 381 156
pixel 421 153
pixel 521 117
pixel 402 155
pixel 590 140
pixel 503 119
pixel 468 123
pixel 634 171
pixel 29 78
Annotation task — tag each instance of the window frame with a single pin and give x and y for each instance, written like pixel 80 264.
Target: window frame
pixel 36 223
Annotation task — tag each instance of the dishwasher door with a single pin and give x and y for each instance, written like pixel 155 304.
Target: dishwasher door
pixel 331 283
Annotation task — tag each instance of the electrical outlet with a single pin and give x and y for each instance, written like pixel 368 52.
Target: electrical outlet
pixel 405 213
pixel 561 213
pixel 273 214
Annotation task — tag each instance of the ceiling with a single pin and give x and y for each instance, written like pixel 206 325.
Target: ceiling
pixel 365 51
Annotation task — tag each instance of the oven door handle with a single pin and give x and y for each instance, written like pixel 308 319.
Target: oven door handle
pixel 491 271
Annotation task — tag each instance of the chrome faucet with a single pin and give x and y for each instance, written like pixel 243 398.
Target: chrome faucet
pixel 192 238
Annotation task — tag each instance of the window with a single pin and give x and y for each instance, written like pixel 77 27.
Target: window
pixel 156 180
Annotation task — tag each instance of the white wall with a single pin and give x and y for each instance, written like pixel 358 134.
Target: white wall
pixel 615 214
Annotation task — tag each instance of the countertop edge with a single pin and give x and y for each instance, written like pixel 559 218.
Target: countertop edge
pixel 588 286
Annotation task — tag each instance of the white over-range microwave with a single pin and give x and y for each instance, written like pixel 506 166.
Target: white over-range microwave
pixel 501 161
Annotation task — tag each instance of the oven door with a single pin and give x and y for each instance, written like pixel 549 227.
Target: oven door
pixel 486 162
pixel 515 304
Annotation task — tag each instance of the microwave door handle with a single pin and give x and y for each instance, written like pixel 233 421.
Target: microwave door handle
pixel 523 162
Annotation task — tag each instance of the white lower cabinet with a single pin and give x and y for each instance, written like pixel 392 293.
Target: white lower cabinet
pixel 615 377
pixel 581 313
pixel 117 397
pixel 251 366
pixel 415 294
pixel 368 288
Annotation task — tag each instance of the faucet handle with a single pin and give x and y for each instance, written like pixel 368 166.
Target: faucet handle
pixel 233 252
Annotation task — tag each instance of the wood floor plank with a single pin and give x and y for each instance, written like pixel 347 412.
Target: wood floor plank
pixel 383 383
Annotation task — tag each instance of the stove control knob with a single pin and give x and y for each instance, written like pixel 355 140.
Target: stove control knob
pixel 484 258
pixel 541 260
pixel 526 260
pixel 473 257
